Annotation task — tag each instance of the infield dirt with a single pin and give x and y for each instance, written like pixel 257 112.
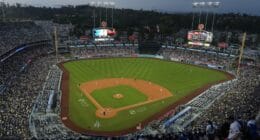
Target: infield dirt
pixel 152 91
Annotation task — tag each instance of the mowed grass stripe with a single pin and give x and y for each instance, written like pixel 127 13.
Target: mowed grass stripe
pixel 145 70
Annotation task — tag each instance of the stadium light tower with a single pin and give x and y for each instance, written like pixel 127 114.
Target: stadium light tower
pixel 204 5
pixel 3 11
pixel 94 13
pixel 103 4
pixel 56 43
pixel 106 4
pixel 214 5
pixel 112 4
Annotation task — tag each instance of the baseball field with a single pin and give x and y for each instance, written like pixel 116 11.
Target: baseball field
pixel 113 95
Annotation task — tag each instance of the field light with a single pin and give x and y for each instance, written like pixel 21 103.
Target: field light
pixel 195 4
pixel 102 4
pixel 205 4
pixel 216 4
pixel 202 4
pixel 210 3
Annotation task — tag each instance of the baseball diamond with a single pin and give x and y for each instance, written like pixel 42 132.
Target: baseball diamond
pixel 115 89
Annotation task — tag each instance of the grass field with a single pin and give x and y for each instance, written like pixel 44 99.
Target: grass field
pixel 131 96
pixel 178 78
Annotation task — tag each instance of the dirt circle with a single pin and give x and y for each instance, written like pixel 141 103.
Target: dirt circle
pixel 106 113
pixel 118 96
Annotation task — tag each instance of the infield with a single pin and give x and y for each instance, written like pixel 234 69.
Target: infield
pixel 150 91
pixel 181 81
pixel 118 96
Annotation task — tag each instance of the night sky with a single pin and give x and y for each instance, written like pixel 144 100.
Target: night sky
pixel 236 6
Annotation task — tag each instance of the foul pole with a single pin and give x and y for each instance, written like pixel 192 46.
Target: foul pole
pixel 56 42
pixel 241 53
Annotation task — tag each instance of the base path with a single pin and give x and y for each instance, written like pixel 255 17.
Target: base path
pixel 153 91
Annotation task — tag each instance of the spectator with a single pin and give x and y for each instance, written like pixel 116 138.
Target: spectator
pixel 234 129
pixel 252 129
pixel 210 130
pixel 225 129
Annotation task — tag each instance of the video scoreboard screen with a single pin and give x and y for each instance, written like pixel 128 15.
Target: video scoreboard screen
pixel 200 38
pixel 104 34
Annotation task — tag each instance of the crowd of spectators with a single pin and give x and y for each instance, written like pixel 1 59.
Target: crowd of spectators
pixel 105 51
pixel 14 34
pixel 25 73
pixel 196 57
pixel 62 30
pixel 240 104
pixel 15 64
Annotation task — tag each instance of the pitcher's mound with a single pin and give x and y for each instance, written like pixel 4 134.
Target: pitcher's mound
pixel 118 96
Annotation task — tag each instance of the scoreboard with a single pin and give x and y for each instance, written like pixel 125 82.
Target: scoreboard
pixel 104 34
pixel 200 38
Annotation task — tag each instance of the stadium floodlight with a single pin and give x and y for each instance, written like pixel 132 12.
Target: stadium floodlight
pixel 106 4
pixel 92 3
pixel 195 4
pixel 210 3
pixel 216 4
pixel 99 4
pixel 3 11
pixel 112 4
pixel 204 4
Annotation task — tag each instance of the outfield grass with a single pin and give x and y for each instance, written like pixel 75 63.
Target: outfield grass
pixel 131 96
pixel 180 79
